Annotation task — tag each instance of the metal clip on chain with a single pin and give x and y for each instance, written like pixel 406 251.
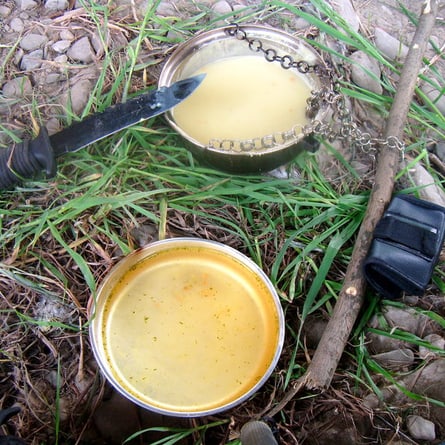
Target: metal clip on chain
pixel 347 129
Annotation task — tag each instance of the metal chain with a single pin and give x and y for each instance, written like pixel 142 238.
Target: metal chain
pixel 347 129
pixel 271 55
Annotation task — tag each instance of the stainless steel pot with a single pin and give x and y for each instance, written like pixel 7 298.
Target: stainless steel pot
pixel 261 154
pixel 186 327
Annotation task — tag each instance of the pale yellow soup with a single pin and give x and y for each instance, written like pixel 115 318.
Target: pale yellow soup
pixel 244 97
pixel 189 329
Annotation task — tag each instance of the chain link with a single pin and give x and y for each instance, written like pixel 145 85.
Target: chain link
pixel 344 130
pixel 271 55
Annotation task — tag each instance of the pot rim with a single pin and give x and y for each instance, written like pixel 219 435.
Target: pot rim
pixel 119 270
pixel 192 45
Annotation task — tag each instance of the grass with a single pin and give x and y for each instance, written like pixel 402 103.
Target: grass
pixel 60 237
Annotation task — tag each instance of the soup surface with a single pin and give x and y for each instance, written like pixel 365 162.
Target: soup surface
pixel 189 329
pixel 243 97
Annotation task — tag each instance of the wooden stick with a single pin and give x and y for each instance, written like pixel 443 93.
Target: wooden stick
pixel 350 300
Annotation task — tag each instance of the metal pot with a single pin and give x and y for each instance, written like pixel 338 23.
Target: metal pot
pixel 187 327
pixel 267 151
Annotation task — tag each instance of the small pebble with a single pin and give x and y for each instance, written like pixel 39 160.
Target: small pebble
pixel 222 7
pixel 420 428
pixel 79 95
pixel 17 24
pixel 32 61
pixel 391 47
pixel 81 51
pixel 346 10
pixel 4 11
pixel 32 42
pixel 25 5
pixel 166 9
pixel 56 5
pixel 61 46
pixel 396 359
pixel 436 341
pixel 65 34
pixel 17 87
pixel 361 68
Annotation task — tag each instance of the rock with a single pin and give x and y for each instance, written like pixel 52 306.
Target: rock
pixel 52 125
pixel 31 42
pixel 365 72
pixel 26 5
pixel 408 320
pixel 396 359
pixel 79 95
pixel 222 7
pixel 391 47
pixel 32 61
pixel 97 44
pixel 4 11
pixel 382 343
pixel 17 87
pixel 427 187
pixel 53 78
pixel 61 46
pixel 17 24
pixel 420 428
pixel 62 59
pixel 56 5
pixel 66 34
pixel 435 95
pixel 166 9
pixel 81 51
pixel 436 341
pixel 346 10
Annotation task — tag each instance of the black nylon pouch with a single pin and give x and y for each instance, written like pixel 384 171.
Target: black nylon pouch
pixel 406 246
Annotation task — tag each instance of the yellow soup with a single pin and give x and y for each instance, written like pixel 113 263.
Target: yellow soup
pixel 243 97
pixel 189 329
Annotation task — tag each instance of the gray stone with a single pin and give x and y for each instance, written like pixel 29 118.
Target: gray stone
pixel 62 59
pixel 435 95
pixel 420 428
pixel 365 72
pixel 222 7
pixel 31 42
pixel 61 46
pixel 79 95
pixel 408 320
pixel 32 61
pixel 17 24
pixel 4 11
pixel 26 5
pixel 17 87
pixel 428 189
pixel 436 341
pixel 346 10
pixel 52 125
pixel 396 359
pixel 166 9
pixel 440 150
pixel 66 34
pixel 81 51
pixel 53 78
pixel 391 47
pixel 56 5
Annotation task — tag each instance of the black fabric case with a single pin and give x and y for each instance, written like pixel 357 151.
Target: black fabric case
pixel 405 248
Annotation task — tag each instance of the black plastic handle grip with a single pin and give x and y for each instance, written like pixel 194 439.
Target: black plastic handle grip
pixel 26 160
